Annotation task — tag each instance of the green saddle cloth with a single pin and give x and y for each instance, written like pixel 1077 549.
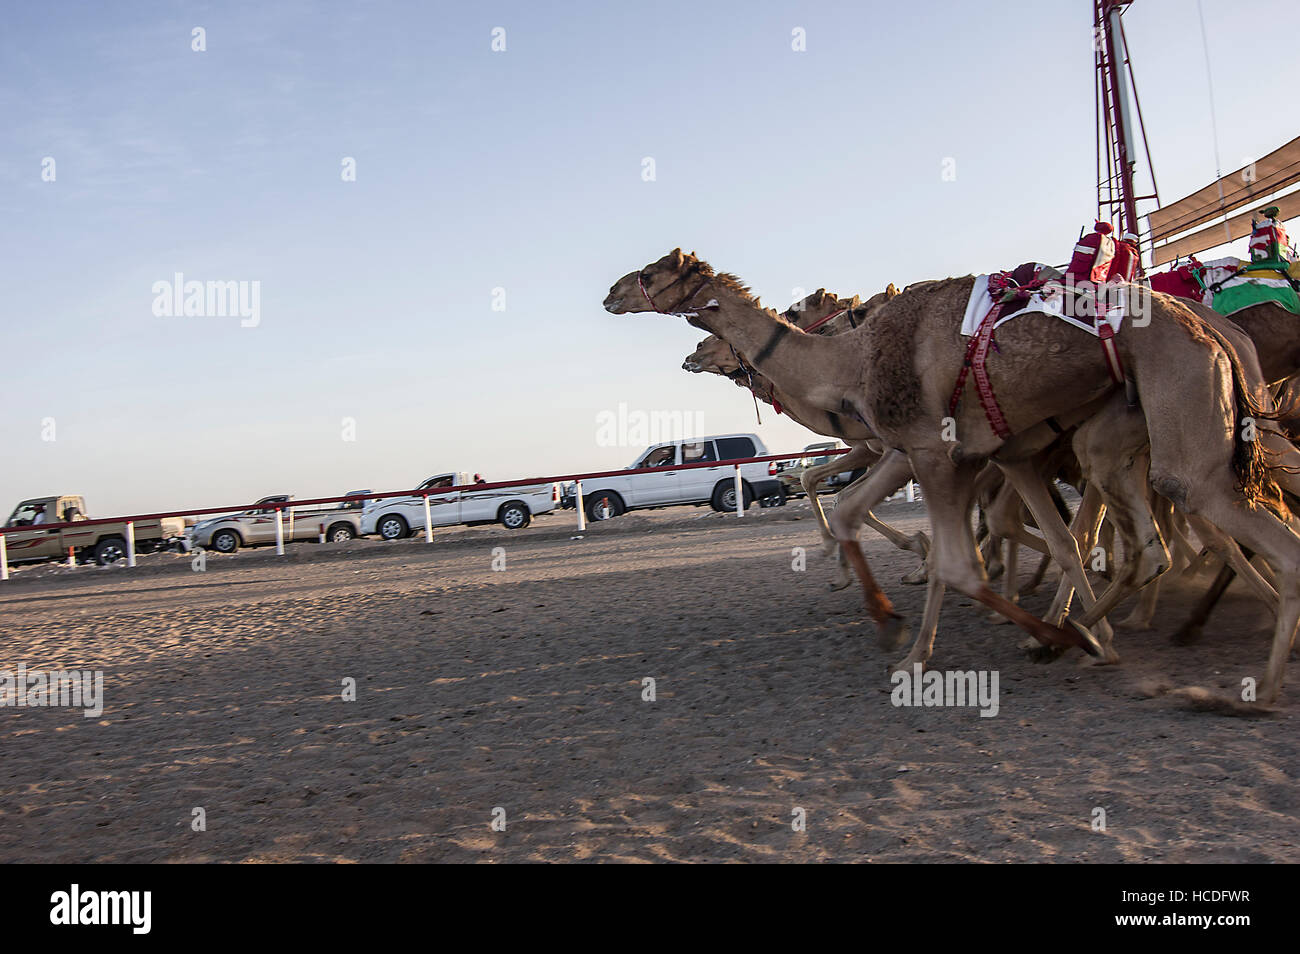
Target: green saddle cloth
pixel 1254 286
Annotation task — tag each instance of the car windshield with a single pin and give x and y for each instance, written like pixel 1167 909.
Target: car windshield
pixel 25 514
pixel 659 457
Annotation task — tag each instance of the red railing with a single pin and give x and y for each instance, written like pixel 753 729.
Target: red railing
pixel 430 492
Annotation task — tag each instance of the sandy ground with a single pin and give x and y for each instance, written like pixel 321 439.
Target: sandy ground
pixel 521 689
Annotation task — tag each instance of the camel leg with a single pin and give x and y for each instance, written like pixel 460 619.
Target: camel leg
pixel 1122 482
pixel 923 648
pixel 1230 552
pixel 1202 485
pixel 846 522
pixel 1036 580
pixel 1190 631
pixel 1087 521
pixel 955 560
pixel 859 455
pixel 1024 476
pixel 1011 574
pixel 1145 611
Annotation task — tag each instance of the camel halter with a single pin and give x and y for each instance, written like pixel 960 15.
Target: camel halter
pixel 748 372
pixel 711 303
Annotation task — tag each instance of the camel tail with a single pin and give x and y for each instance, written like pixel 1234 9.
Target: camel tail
pixel 1251 461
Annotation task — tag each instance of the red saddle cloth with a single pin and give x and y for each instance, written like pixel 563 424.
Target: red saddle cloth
pixel 1180 282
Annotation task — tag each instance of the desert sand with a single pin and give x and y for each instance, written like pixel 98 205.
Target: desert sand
pixel 521 689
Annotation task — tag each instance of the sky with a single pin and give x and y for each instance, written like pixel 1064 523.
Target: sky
pixel 441 309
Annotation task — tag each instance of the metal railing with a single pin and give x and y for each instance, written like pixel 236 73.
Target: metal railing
pixel 280 506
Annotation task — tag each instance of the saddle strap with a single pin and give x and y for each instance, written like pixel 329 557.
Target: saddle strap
pixel 1113 363
pixel 977 350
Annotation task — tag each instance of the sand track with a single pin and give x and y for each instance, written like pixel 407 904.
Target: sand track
pixel 522 689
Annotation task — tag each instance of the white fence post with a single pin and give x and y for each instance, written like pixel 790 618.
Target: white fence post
pixel 577 499
pixel 428 521
pixel 740 494
pixel 279 532
pixel 322 533
pixel 4 559
pixel 130 543
pixel 911 492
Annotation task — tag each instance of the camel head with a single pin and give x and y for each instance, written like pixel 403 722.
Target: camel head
pixel 667 286
pixel 714 356
pixel 863 311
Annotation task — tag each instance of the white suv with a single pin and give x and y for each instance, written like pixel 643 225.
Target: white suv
pixel 605 497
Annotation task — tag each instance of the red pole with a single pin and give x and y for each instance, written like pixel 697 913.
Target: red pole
pixel 1108 14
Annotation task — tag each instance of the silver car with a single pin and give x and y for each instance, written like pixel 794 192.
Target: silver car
pixel 256 527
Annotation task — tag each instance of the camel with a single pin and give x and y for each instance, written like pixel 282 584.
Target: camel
pixel 895 375
pixel 715 356
pixel 1111 445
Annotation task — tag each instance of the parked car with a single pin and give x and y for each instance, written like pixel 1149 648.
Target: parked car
pixel 105 543
pixel 256 527
pixel 815 456
pixel 607 497
pixel 513 507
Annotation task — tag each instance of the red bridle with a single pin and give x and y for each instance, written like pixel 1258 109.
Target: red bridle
pixel 640 282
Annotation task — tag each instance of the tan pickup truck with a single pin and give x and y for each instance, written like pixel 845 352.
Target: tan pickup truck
pixel 105 543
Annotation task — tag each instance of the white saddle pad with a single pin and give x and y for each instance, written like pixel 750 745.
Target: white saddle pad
pixel 1048 302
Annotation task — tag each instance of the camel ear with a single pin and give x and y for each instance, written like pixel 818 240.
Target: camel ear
pixel 891 291
pixel 675 256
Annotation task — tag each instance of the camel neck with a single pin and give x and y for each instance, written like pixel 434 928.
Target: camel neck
pixel 783 354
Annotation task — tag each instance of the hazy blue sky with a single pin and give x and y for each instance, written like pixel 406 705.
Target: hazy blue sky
pixel 520 170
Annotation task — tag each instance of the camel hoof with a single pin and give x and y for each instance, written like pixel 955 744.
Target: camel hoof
pixel 1187 634
pixel 917 577
pixel 906 665
pixel 834 585
pixel 892 633
pixel 1086 641
pixel 1109 658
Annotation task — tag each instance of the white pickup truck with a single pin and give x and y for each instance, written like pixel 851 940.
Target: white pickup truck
pixel 457 503
pixel 606 497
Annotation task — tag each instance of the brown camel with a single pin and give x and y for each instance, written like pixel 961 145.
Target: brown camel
pixel 895 375
pixel 1112 448
pixel 715 356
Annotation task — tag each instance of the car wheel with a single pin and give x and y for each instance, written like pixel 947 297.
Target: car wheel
pixel 225 541
pixel 392 528
pixel 340 533
pixel 724 497
pixel 604 505
pixel 515 516
pixel 110 550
